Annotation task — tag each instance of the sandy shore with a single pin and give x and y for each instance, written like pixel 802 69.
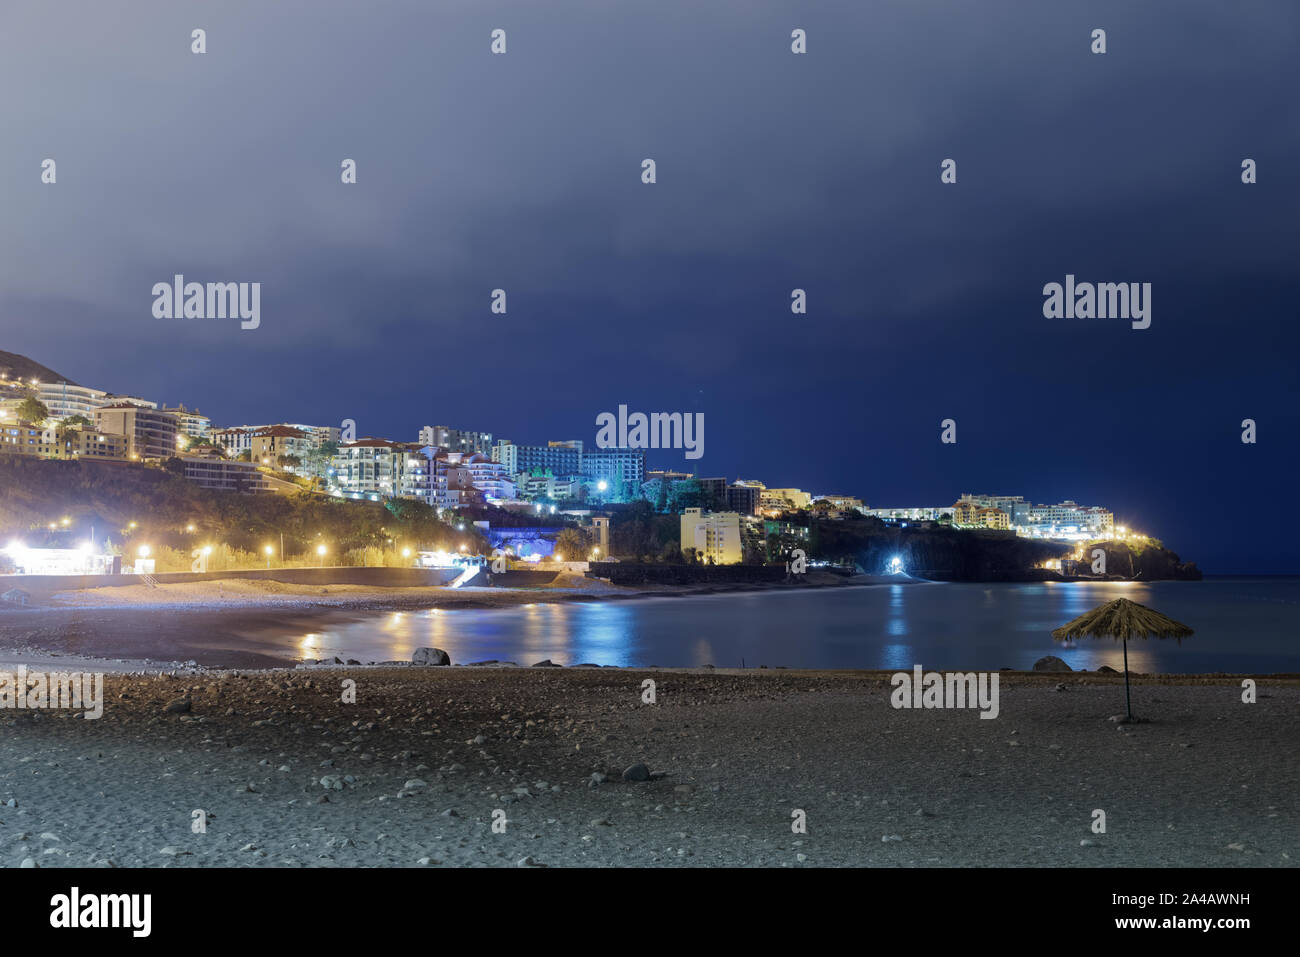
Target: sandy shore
pixel 257 593
pixel 416 770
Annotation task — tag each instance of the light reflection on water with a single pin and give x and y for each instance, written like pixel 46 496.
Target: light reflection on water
pixel 1241 625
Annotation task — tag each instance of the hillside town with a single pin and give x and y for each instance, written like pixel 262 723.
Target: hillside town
pixel 453 468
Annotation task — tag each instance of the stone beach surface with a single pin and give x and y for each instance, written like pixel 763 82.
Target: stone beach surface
pixel 418 770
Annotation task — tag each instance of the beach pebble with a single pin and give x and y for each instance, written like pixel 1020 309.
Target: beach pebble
pixel 637 772
pixel 331 782
pixel 171 851
pixel 1087 842
pixel 886 838
pixel 29 862
pixel 178 706
pixel 415 784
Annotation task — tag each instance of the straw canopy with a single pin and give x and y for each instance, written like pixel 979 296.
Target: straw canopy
pixel 1122 619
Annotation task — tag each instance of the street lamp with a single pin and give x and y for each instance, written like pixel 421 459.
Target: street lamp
pixel 143 551
pixel 321 550
pixel 270 550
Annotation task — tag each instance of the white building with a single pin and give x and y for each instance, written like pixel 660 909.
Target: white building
pixel 713 535
pixel 190 422
pixel 1066 520
pixel 909 514
pixel 491 478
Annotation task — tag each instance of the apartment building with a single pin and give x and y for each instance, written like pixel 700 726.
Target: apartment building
pixel 150 433
pixel 465 441
pixel 190 423
pixel 224 475
pixel 267 445
pixel 715 536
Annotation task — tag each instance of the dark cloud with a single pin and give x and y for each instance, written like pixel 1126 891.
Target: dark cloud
pixel 775 171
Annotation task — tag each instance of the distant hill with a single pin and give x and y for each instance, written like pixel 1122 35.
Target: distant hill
pixel 110 496
pixel 14 366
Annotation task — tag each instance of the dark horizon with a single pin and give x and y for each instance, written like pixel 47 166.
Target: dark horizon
pixel 775 171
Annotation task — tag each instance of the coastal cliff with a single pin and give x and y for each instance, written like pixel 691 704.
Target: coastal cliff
pixel 944 553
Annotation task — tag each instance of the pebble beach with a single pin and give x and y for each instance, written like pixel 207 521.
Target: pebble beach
pixel 555 767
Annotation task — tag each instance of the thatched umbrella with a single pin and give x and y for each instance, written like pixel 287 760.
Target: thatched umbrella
pixel 1123 619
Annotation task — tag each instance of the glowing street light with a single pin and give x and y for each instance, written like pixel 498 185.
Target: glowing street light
pixel 270 550
pixel 602 485
pixel 143 551
pixel 321 550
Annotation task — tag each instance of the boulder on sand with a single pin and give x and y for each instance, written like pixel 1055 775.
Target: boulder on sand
pixel 430 656
pixel 1051 663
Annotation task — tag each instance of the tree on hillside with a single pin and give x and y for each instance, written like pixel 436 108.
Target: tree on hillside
pixel 64 430
pixel 572 543
pixel 33 410
pixel 670 554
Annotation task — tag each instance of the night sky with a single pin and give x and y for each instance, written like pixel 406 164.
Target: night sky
pixel 775 171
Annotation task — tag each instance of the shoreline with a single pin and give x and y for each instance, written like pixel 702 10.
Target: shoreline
pixel 225 621
pixel 268 593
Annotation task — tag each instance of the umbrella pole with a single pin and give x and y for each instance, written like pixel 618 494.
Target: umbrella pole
pixel 1128 701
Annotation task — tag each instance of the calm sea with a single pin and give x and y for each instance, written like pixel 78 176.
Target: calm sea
pixel 1241 625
